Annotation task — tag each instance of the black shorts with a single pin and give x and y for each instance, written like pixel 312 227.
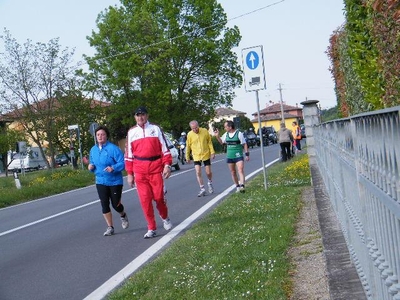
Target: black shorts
pixel 205 162
pixel 234 160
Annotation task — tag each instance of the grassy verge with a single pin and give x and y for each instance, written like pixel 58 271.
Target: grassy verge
pixel 239 251
pixel 41 184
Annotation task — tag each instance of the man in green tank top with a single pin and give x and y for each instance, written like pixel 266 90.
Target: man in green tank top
pixel 235 143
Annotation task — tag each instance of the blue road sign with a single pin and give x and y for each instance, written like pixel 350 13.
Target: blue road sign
pixel 253 68
pixel 252 60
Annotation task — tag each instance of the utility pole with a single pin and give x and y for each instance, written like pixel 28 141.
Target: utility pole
pixel 280 92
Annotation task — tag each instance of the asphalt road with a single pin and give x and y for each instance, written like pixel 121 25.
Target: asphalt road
pixel 54 248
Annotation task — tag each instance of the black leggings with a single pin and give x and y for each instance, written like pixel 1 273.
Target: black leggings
pixel 107 193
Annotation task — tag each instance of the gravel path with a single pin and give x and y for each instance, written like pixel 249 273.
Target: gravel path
pixel 310 273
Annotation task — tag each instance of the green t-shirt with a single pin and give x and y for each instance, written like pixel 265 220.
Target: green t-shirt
pixel 234 148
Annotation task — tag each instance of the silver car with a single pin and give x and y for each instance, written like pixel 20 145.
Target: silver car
pixel 173 150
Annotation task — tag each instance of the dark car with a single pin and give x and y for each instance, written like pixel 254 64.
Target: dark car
pixel 62 159
pixel 251 139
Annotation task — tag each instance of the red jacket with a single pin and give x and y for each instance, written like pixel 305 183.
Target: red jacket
pixel 146 150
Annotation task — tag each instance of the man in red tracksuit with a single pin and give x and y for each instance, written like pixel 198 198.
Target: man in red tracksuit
pixel 148 162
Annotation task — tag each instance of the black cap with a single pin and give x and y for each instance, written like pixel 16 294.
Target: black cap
pixel 140 110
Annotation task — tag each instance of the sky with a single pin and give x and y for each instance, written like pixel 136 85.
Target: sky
pixel 294 35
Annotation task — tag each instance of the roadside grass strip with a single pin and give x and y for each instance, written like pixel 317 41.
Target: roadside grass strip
pixel 238 251
pixel 42 183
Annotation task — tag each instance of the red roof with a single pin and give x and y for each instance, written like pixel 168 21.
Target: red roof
pixel 42 105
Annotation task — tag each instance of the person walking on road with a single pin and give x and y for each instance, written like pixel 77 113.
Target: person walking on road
pixel 106 161
pixel 285 139
pixel 148 162
pixel 200 147
pixel 235 143
pixel 296 132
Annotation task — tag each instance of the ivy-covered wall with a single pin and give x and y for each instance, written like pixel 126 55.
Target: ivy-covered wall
pixel 365 56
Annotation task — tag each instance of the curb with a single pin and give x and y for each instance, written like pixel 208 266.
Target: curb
pixel 343 279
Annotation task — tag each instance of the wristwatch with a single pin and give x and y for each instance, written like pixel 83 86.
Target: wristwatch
pixel 168 166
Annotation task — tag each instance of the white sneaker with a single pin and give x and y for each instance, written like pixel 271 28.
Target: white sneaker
pixel 150 234
pixel 238 188
pixel 109 231
pixel 210 188
pixel 242 189
pixel 167 224
pixel 201 193
pixel 125 222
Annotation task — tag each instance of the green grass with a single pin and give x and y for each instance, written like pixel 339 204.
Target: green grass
pixel 238 251
pixel 43 183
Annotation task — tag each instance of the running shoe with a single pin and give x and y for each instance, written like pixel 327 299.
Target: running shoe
pixel 238 188
pixel 167 224
pixel 210 188
pixel 125 221
pixel 242 189
pixel 150 234
pixel 109 231
pixel 201 193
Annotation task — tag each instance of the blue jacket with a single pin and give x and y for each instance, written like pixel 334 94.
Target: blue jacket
pixel 109 155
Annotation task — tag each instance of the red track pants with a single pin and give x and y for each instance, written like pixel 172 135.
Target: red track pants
pixel 151 187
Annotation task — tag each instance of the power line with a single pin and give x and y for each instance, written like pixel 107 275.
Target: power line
pixel 179 36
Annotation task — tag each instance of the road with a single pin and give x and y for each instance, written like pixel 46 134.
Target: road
pixel 54 248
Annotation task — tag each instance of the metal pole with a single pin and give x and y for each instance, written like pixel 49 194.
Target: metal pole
pixel 71 148
pixel 261 141
pixel 94 134
pixel 80 147
pixel 280 92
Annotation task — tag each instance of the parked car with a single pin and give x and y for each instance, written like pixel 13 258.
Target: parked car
pixel 173 150
pixel 31 160
pixel 251 138
pixel 62 159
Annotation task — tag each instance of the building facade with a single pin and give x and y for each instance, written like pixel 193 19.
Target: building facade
pixel 272 116
pixel 224 113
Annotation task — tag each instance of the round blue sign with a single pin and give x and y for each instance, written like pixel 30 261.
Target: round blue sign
pixel 252 60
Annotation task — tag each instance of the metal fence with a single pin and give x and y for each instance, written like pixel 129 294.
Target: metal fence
pixel 358 158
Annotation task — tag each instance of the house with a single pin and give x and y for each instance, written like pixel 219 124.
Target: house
pixel 272 115
pixel 224 113
pixel 12 118
pixel 45 110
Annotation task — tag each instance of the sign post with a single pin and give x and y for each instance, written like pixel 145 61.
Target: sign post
pixel 254 80
pixel 92 128
pixel 71 129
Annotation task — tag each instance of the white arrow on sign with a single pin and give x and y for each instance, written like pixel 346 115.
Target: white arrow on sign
pixel 252 59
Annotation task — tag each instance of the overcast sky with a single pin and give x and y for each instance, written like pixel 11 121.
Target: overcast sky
pixel 294 35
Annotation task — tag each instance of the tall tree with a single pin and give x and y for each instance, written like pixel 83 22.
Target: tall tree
pixel 8 139
pixel 30 75
pixel 174 56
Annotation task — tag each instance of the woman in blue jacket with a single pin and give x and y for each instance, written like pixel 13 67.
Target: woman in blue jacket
pixel 107 163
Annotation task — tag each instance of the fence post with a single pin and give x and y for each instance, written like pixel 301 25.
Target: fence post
pixel 16 178
pixel 311 118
